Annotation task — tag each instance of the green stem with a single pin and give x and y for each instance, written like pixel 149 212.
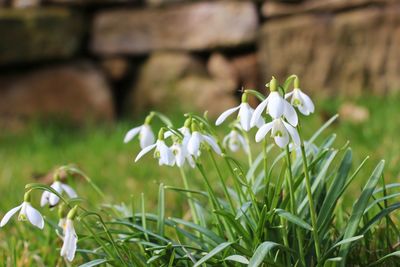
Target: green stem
pixel 249 154
pixel 293 205
pixel 222 180
pixel 310 200
pixel 266 175
pixel 190 199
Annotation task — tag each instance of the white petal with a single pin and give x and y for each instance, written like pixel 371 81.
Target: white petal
pixel 260 122
pixel 168 134
pixel 166 155
pixel 146 136
pixel 257 112
pixel 276 105
pixel 34 216
pixel 307 102
pixel 245 113
pixel 70 239
pixel 210 140
pixel 283 140
pixel 45 198
pixel 245 145
pixel 293 133
pixel 288 95
pixel 69 190
pixel 290 114
pixel 193 145
pixel 226 139
pixel 53 198
pixel 131 134
pixel 263 131
pixel 9 214
pixel 144 151
pixel 225 115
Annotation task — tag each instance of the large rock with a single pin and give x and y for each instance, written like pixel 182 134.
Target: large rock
pixel 179 81
pixel 196 26
pixel 272 9
pixel 29 35
pixel 349 52
pixel 76 92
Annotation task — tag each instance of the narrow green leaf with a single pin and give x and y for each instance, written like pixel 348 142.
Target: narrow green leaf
pixel 261 252
pixel 293 219
pixel 326 211
pixel 358 210
pixel 161 210
pixel 213 252
pixel 393 254
pixel 94 263
pixel 237 258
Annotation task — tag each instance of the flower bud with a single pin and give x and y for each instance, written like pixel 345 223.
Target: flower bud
pixel 161 134
pixel 296 82
pixel 245 98
pixel 273 84
pixel 27 196
pixel 72 213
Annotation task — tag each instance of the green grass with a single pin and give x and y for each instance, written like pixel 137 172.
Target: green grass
pixel 100 152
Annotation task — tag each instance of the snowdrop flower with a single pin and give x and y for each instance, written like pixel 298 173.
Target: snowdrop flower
pixel 70 238
pixel 26 212
pixel 244 115
pixel 281 131
pixel 197 138
pixel 162 151
pixel 51 198
pixel 276 106
pixel 146 136
pixel 182 155
pixel 234 140
pixel 300 100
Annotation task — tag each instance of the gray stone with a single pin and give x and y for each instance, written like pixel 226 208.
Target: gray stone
pixel 171 81
pixel 350 52
pixel 195 26
pixel 29 35
pixel 76 92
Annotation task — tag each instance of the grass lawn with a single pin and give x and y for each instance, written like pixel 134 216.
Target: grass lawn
pixel 100 153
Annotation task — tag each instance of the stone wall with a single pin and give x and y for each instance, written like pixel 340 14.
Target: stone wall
pixel 102 59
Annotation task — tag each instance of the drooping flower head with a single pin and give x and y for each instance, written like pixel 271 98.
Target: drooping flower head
pixel 146 136
pixel 276 106
pixel 51 198
pixel 162 152
pixel 300 100
pixel 26 212
pixel 234 141
pixel 179 147
pixel 281 131
pixel 199 139
pixel 244 115
pixel 70 238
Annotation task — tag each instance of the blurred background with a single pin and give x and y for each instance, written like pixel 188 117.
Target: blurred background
pixel 75 75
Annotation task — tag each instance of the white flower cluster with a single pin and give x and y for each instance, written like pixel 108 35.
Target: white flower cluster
pixel 189 140
pixel 283 115
pixel 27 212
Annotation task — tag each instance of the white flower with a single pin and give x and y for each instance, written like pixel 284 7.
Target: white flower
pixel 301 101
pixel 70 239
pixel 195 141
pixel 244 116
pixel 181 154
pixel 162 152
pixel 281 131
pixel 276 106
pixel 234 140
pixel 146 135
pixel 185 131
pixel 27 212
pixel 51 198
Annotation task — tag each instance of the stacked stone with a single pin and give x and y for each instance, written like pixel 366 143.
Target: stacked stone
pixel 99 59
